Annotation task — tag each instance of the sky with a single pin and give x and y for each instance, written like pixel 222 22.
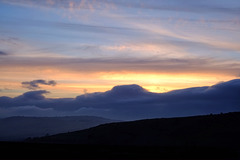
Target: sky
pixel 127 102
pixel 119 59
pixel 75 47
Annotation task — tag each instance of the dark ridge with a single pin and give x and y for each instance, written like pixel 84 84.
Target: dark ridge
pixel 198 137
pixel 221 130
pixel 19 128
pixel 20 150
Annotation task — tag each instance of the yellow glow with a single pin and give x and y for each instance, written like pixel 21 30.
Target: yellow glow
pixel 165 82
pixel 72 84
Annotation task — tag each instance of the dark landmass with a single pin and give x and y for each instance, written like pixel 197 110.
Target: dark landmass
pixel 220 130
pixel 20 150
pixel 198 137
pixel 19 127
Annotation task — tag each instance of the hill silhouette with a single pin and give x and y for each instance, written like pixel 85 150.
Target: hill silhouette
pixel 19 127
pixel 198 137
pixel 220 130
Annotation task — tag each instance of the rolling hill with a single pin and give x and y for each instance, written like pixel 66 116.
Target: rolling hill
pixel 220 130
pixel 20 128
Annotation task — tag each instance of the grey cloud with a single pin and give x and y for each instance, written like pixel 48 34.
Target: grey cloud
pixel 3 53
pixel 80 4
pixel 173 5
pixel 33 95
pixel 193 45
pixel 77 26
pixel 127 91
pixel 130 102
pixel 33 85
pixel 151 64
pixel 25 99
pixel 94 28
pixel 31 98
pixel 200 45
pixel 74 31
pixel 27 111
pixel 181 6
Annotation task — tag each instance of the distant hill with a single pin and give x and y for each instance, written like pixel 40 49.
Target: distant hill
pixel 20 128
pixel 220 130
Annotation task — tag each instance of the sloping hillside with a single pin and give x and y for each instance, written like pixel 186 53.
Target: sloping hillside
pixel 208 131
pixel 20 128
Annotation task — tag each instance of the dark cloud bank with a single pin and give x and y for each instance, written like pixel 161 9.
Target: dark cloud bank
pixel 33 85
pixel 3 53
pixel 129 102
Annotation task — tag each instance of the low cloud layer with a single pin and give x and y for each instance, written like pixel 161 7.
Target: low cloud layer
pixel 129 102
pixel 33 85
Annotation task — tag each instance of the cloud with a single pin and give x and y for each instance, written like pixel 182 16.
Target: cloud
pixel 82 27
pixel 94 28
pixel 2 53
pixel 33 85
pixel 181 6
pixel 148 64
pixel 127 91
pixel 173 5
pixel 69 4
pixel 129 102
pixel 26 111
pixel 33 95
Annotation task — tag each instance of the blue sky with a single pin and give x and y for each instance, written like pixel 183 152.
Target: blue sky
pixel 91 46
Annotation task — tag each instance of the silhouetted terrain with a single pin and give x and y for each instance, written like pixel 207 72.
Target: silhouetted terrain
pixel 20 128
pixel 20 150
pixel 199 131
pixel 198 137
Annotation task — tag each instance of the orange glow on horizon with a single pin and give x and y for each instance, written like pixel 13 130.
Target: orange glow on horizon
pixel 71 84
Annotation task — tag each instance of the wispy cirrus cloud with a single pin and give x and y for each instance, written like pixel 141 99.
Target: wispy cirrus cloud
pixel 174 5
pixel 69 5
pixel 151 64
pixel 94 40
pixel 180 6
pixel 136 29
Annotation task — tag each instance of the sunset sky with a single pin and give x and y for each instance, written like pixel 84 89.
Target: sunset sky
pixel 73 47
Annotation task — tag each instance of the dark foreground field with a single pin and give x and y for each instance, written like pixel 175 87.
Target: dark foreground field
pixel 17 150
pixel 197 137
